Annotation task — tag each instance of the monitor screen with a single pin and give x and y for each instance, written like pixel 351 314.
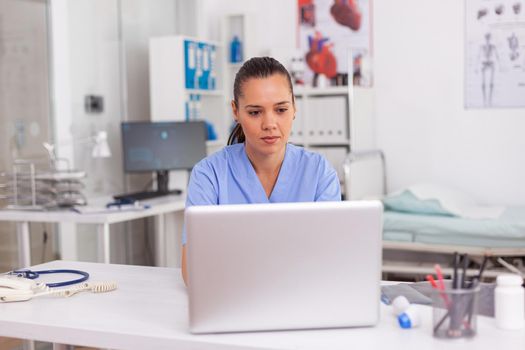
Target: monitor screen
pixel 157 146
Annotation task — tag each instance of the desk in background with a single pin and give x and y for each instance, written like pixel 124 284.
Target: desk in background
pixel 158 208
pixel 150 311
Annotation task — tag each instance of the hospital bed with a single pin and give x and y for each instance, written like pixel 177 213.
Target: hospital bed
pixel 414 240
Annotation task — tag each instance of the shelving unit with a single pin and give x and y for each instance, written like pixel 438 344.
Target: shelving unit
pixel 241 25
pixel 323 122
pixel 187 81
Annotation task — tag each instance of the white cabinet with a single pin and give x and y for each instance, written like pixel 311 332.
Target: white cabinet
pixel 322 122
pixel 334 121
pixel 322 118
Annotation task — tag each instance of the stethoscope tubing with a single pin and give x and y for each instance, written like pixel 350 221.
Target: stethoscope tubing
pixel 35 274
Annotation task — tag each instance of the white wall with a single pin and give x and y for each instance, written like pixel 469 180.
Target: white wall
pixel 94 70
pixel 141 20
pixel 103 50
pixel 421 124
pixel 24 110
pixel 275 21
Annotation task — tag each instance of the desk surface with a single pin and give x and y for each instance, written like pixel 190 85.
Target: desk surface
pixel 159 205
pixel 149 311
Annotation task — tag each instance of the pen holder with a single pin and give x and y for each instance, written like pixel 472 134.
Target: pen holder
pixel 455 311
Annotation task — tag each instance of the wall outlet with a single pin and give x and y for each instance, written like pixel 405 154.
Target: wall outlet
pixel 94 104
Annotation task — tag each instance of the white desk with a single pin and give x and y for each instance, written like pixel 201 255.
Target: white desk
pixel 159 207
pixel 149 311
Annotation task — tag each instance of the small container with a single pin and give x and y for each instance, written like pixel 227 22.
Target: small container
pixel 400 304
pixel 236 50
pixel 454 312
pixel 409 318
pixel 509 302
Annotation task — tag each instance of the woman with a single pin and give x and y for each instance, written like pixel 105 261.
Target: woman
pixel 258 165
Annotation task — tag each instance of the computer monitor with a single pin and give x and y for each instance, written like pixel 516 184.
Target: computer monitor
pixel 162 146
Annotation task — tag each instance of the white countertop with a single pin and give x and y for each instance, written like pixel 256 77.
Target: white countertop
pixel 149 311
pixel 158 206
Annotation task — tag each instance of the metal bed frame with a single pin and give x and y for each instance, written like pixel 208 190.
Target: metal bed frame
pixel 411 268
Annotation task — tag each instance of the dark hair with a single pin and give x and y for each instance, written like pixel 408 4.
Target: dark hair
pixel 256 67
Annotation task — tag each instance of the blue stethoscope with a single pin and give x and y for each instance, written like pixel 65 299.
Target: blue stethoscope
pixel 35 274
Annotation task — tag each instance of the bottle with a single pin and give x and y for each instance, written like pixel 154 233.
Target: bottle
pixel 235 50
pixel 509 302
pixel 191 114
pixel 197 106
pixel 400 304
pixel 409 318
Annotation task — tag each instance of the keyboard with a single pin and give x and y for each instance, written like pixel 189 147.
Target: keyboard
pixel 139 196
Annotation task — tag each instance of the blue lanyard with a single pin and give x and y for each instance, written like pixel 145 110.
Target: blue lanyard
pixel 34 275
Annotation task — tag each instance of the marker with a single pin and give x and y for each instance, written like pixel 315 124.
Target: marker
pixel 441 284
pixel 432 281
pixel 439 274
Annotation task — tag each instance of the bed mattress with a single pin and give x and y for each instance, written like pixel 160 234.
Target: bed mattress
pixel 504 232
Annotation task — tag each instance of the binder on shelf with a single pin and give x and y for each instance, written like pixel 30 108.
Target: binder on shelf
pixel 200 60
pixel 190 63
pixel 327 120
pixel 297 135
pixel 213 68
pixel 186 81
pixel 205 63
pixel 198 67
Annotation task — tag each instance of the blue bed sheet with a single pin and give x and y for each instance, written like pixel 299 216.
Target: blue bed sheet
pixel 505 232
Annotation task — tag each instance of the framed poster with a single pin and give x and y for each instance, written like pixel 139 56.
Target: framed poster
pixel 494 53
pixel 330 30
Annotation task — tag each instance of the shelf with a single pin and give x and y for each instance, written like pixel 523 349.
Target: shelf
pixel 214 143
pixel 319 144
pixel 235 65
pixel 329 144
pixel 204 92
pixel 310 91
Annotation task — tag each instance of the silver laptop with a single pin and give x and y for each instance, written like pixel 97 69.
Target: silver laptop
pixel 283 266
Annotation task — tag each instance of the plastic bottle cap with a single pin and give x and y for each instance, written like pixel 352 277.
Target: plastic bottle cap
pixel 410 318
pixel 509 280
pixel 404 321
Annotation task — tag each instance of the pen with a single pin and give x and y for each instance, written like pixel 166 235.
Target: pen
pixel 441 284
pixel 475 282
pixel 464 271
pixel 482 268
pixel 439 274
pixel 432 281
pixel 455 275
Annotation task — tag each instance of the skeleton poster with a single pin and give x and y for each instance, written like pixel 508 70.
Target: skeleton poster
pixel 328 31
pixel 494 53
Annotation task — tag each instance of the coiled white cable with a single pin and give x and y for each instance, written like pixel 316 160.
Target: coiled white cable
pixel 22 289
pixel 98 287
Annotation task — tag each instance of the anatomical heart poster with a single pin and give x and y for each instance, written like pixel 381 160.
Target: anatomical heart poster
pixel 494 53
pixel 330 30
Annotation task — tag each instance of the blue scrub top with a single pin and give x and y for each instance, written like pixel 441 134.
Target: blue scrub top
pixel 228 177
